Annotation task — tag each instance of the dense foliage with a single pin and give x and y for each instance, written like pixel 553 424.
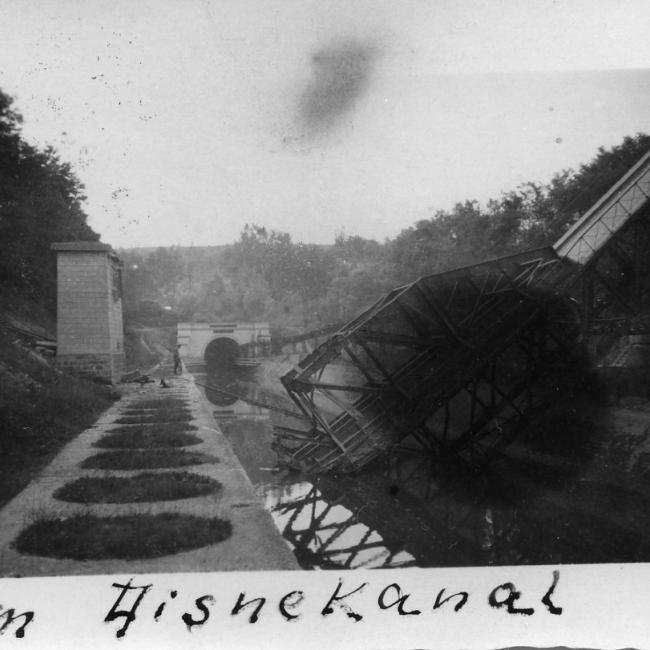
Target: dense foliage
pixel 531 216
pixel 40 203
pixel 41 408
pixel 265 275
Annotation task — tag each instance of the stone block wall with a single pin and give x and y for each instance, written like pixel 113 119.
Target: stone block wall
pixel 90 335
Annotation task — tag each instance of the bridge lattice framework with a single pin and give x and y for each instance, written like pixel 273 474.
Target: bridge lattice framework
pixel 454 362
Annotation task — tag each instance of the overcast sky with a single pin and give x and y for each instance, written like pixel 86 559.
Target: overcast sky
pixel 186 119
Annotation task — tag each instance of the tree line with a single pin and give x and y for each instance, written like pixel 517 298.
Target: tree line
pixel 265 275
pixel 41 201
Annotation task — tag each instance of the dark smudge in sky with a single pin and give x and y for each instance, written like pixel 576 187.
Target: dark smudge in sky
pixel 341 73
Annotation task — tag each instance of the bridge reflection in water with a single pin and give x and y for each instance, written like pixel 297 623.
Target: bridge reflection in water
pixel 322 534
pixel 328 535
pixel 526 508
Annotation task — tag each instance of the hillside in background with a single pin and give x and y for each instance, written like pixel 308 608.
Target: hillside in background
pixel 265 275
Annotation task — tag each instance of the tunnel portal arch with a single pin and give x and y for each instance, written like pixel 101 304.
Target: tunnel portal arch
pixel 221 351
pixel 201 343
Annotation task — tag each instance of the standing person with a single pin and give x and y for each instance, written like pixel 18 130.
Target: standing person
pixel 177 360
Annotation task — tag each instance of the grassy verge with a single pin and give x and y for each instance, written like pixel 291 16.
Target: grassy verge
pixel 143 345
pixel 164 427
pixel 140 439
pixel 40 411
pixel 145 487
pixel 158 413
pixel 172 402
pixel 125 537
pixel 153 419
pixel 146 459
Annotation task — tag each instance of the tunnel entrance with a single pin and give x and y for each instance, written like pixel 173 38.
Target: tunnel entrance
pixel 221 353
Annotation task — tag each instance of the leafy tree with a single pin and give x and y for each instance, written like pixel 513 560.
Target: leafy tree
pixel 355 250
pixel 167 267
pixel 423 248
pixel 138 281
pixel 573 193
pixel 40 202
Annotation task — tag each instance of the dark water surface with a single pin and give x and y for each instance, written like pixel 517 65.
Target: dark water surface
pixel 584 500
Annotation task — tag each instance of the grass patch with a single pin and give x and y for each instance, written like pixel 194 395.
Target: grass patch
pixel 174 402
pixel 142 342
pixel 161 405
pixel 145 487
pixel 146 459
pixel 140 439
pixel 152 419
pixel 162 428
pixel 161 415
pixel 123 537
pixel 40 411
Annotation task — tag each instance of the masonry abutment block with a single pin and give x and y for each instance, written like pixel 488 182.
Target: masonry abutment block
pixel 90 334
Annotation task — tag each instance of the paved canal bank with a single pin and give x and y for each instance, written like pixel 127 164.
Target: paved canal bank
pixel 254 542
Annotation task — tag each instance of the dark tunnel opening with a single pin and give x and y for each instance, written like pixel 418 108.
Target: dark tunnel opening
pixel 221 353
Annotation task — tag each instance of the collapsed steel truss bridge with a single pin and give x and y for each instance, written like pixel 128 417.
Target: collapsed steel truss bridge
pixel 454 362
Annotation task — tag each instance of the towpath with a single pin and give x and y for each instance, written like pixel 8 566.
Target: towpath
pixel 255 543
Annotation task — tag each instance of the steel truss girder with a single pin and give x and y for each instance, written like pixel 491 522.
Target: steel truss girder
pixel 613 288
pixel 486 413
pixel 623 201
pixel 443 348
pixel 436 335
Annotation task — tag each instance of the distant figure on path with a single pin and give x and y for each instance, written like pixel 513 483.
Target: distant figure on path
pixel 177 360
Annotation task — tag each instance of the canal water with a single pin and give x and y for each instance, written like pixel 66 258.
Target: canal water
pixel 584 502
